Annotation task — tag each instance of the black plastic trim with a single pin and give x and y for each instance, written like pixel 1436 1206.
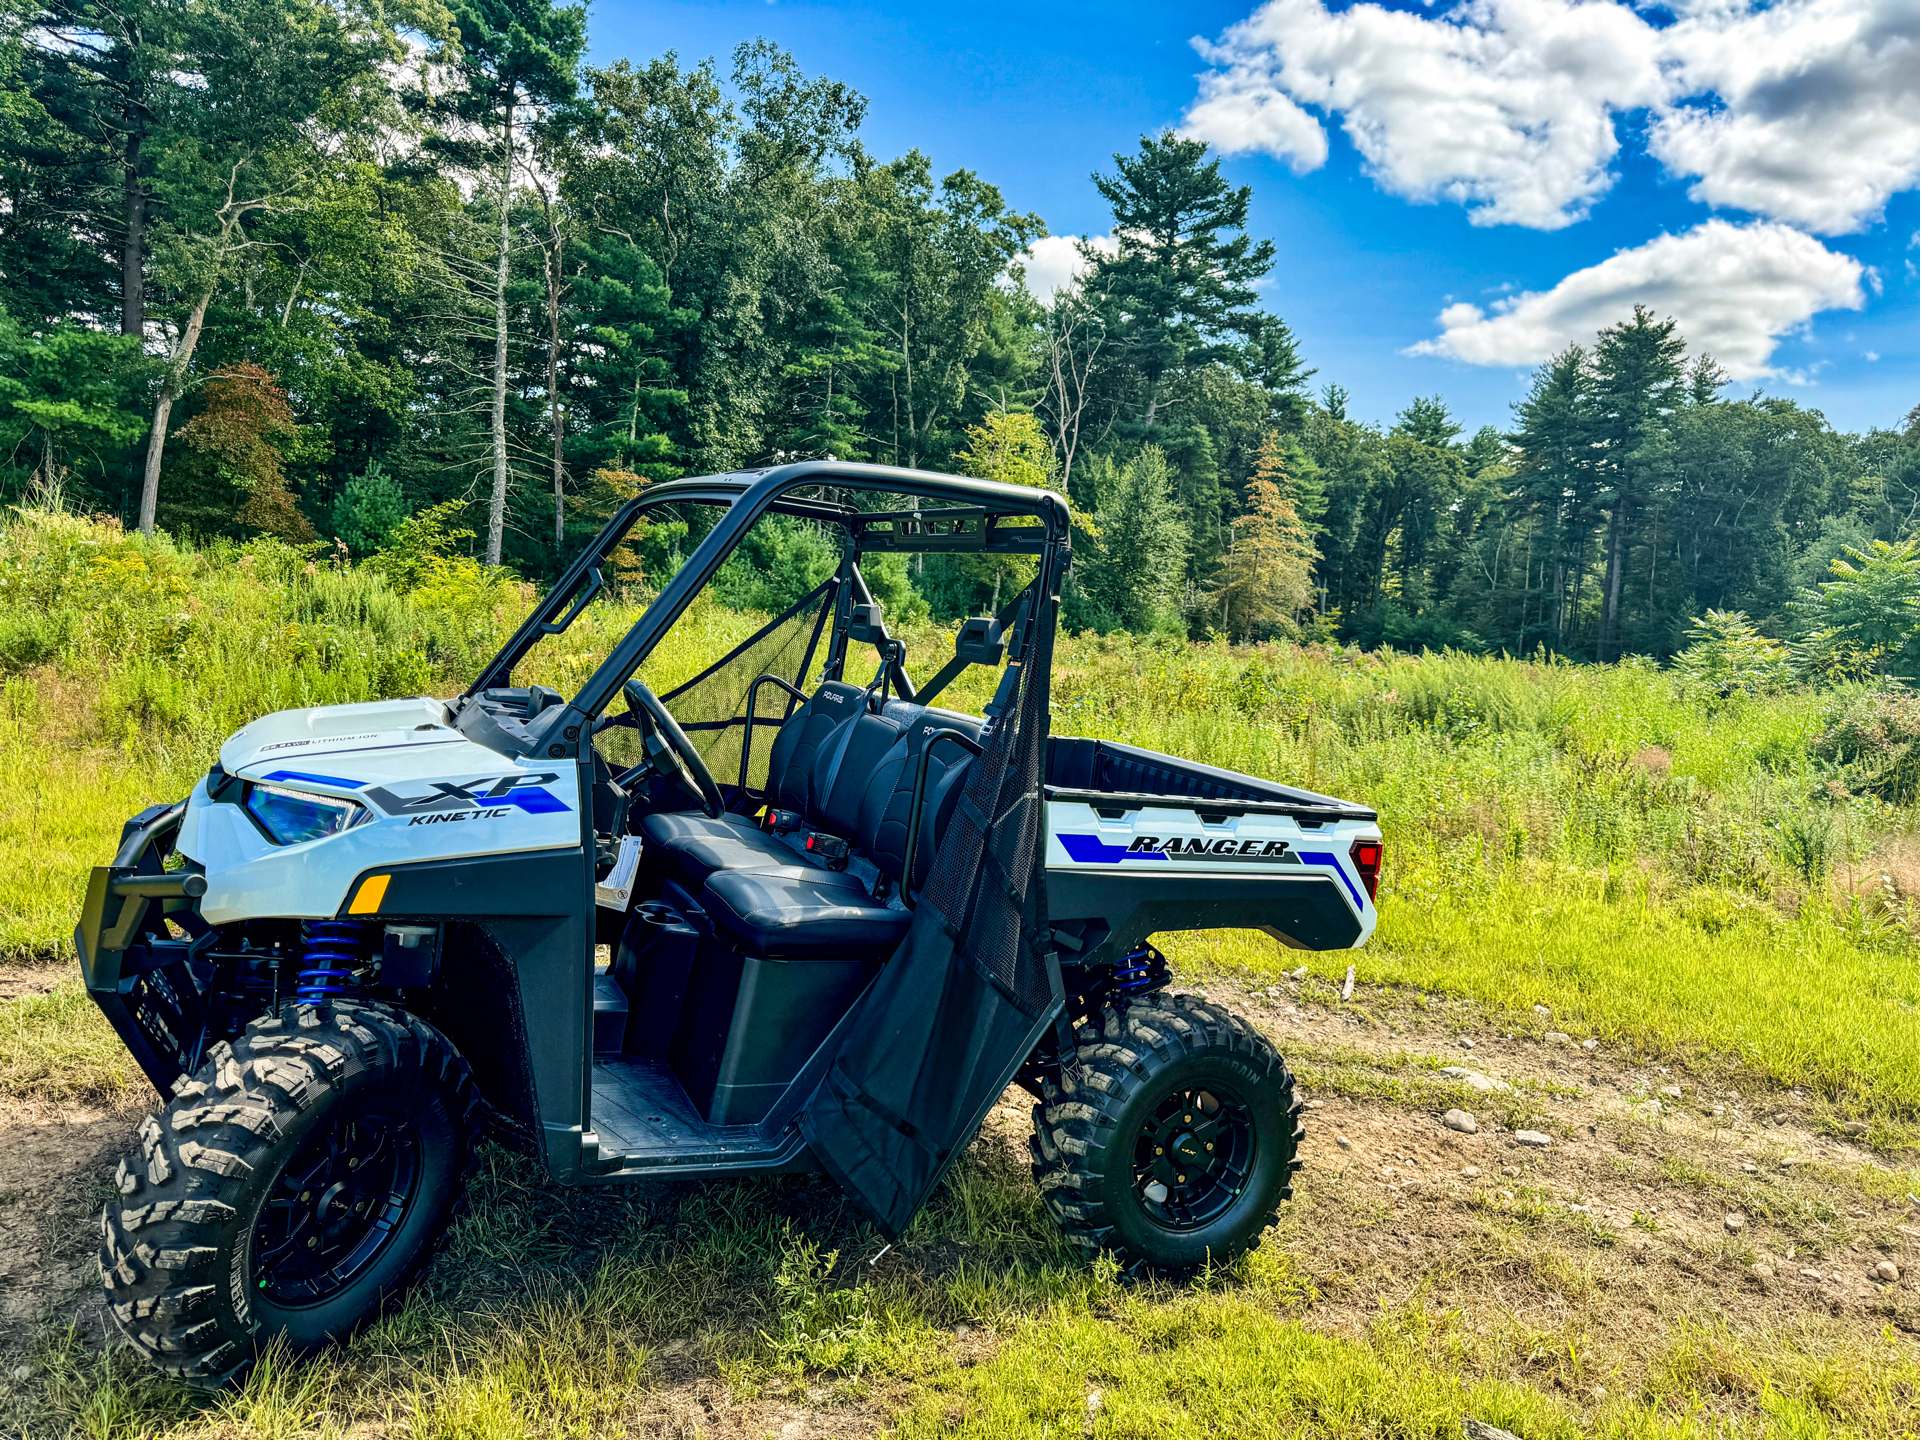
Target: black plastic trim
pixel 1213 805
pixel 1307 912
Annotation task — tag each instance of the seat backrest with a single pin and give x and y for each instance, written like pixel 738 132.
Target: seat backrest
pixel 888 800
pixel 790 762
pixel 843 766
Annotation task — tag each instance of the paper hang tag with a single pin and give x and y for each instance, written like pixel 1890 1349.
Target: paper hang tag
pixel 618 888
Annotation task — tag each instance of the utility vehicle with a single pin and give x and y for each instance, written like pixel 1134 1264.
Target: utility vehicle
pixel 837 922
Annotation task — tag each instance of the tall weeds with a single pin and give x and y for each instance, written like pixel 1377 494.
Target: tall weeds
pixel 1510 790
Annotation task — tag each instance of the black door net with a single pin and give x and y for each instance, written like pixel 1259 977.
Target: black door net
pixel 713 707
pixel 958 1008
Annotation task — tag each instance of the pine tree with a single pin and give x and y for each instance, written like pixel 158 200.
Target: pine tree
pixel 1181 284
pixel 1637 382
pixel 1266 577
pixel 1138 549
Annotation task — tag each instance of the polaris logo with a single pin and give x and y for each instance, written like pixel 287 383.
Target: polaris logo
pixel 498 793
pixel 1092 850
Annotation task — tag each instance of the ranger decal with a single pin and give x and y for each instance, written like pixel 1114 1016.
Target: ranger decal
pixel 1092 850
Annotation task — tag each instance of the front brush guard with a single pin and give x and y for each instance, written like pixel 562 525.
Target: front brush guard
pixel 148 983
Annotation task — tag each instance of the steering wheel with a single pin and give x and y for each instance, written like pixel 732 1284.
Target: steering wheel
pixel 669 753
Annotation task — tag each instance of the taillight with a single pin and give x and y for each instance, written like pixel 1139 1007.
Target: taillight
pixel 1367 860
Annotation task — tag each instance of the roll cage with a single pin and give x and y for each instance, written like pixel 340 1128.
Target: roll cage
pixel 972 516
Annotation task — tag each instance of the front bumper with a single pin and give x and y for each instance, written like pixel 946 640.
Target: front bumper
pixel 147 981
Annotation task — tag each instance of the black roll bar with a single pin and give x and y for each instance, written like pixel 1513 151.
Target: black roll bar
pixel 558 730
pixel 945 733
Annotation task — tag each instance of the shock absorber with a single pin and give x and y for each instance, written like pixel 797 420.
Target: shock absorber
pixel 1141 969
pixel 329 951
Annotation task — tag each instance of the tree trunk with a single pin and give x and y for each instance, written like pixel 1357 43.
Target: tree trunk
pixel 497 502
pixel 133 276
pixel 170 389
pixel 1153 404
pixel 1611 591
pixel 553 393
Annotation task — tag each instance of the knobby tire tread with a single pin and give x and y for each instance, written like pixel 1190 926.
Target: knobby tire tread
pixel 179 1194
pixel 1080 1114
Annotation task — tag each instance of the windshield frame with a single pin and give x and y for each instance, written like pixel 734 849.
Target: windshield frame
pixel 559 730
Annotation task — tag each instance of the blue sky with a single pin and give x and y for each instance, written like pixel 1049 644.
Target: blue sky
pixel 1035 97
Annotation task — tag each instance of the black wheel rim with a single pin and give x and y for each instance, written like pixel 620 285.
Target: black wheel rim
pixel 1193 1157
pixel 336 1207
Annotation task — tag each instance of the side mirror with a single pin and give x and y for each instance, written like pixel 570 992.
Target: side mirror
pixel 864 623
pixel 979 641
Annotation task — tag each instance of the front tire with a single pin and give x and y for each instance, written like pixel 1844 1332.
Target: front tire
pixel 293 1185
pixel 1172 1139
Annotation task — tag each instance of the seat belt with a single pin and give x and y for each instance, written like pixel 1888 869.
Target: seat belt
pixel 940 679
pixel 840 750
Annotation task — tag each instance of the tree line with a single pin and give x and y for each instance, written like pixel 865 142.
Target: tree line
pixel 310 268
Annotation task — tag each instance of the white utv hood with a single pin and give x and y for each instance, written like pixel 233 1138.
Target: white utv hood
pixel 425 793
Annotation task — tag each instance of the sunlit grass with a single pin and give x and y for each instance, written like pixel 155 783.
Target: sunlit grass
pixel 1593 839
pixel 58 1047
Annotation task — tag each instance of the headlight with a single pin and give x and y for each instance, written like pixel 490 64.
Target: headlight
pixel 291 817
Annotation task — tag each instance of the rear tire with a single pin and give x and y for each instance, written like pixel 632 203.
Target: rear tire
pixel 298 1181
pixel 1172 1140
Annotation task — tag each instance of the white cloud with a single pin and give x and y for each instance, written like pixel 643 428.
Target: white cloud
pixel 1504 105
pixel 1239 111
pixel 1800 110
pixel 1734 289
pixel 1054 261
pixel 1817 121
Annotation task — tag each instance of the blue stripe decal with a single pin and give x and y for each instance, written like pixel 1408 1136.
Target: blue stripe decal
pixel 531 799
pixel 1328 858
pixel 1092 850
pixel 310 776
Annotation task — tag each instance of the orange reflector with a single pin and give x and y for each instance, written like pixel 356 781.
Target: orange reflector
pixel 373 890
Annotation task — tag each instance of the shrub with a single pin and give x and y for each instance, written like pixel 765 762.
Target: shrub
pixel 1876 738
pixel 1730 655
pixel 369 510
pixel 1867 620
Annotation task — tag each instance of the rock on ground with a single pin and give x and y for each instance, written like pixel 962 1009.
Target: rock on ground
pixel 1458 1120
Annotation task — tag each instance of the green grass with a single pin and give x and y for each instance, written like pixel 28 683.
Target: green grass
pixel 1680 877
pixel 1598 839
pixel 58 1047
pixel 552 1313
pixel 1789 999
pixel 1212 1364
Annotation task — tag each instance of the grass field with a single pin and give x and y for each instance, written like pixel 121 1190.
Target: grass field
pixel 1706 886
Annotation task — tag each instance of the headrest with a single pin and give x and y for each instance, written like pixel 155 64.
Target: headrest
pixel 838 699
pixel 979 641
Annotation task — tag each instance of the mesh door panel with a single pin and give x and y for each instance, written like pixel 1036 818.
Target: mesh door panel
pixel 712 707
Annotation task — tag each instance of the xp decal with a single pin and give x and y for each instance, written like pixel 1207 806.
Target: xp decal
pixel 522 792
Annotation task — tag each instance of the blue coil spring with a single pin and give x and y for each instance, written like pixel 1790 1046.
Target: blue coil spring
pixel 1138 970
pixel 331 950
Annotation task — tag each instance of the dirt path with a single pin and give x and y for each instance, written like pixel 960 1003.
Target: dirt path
pixel 1659 1195
pixel 1662 1200
pixel 56 1171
